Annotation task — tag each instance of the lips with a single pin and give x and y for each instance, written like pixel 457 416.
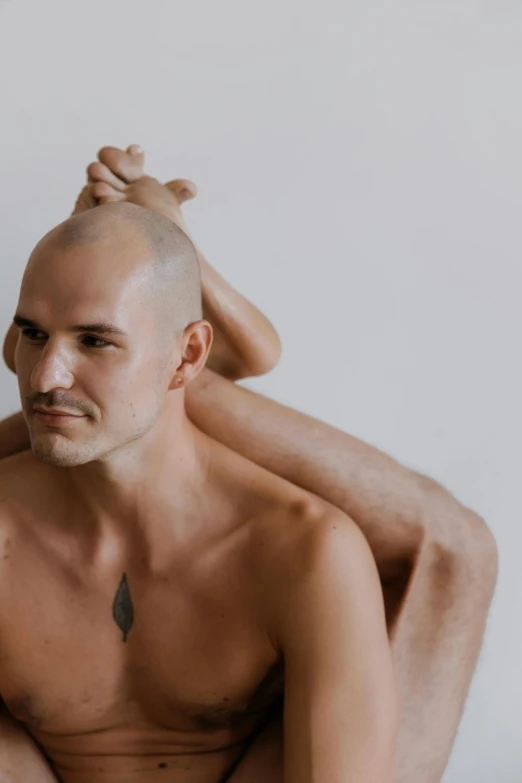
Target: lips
pixel 56 417
pixel 58 413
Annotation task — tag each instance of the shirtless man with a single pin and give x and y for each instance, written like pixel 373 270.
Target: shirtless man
pixel 181 586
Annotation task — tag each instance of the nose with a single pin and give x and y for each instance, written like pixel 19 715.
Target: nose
pixel 52 370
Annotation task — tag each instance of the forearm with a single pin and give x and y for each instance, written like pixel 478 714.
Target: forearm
pixel 21 761
pixel 245 342
pixel 14 435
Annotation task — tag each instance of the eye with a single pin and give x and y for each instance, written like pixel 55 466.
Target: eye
pixel 33 334
pixel 95 342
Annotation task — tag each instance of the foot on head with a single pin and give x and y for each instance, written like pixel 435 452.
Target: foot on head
pixel 118 175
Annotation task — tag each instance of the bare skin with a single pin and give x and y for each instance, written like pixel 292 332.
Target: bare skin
pixel 436 558
pixel 231 569
pixel 245 343
pixel 415 529
pixel 199 672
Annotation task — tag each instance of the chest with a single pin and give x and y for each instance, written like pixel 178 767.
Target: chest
pixel 168 650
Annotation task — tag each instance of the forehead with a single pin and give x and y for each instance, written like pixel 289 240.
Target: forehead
pixel 106 281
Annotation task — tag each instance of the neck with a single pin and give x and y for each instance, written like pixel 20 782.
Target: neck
pixel 146 491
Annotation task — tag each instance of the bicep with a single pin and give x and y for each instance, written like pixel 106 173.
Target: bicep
pixel 340 697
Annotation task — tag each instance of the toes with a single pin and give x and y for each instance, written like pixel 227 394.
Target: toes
pixel 104 193
pixel 128 166
pixel 183 189
pixel 99 172
pixel 84 201
pixel 137 154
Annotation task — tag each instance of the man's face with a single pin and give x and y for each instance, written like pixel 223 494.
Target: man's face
pixel 89 346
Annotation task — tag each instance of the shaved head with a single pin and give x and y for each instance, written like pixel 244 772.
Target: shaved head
pixel 171 271
pixel 110 320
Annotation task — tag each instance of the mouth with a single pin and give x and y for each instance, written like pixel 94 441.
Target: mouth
pixel 56 416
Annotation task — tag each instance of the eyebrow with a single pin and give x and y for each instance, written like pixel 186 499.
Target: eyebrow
pixel 105 329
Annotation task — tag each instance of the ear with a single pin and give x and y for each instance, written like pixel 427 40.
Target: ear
pixel 195 347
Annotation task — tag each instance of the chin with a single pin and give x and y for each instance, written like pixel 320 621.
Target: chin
pixel 63 456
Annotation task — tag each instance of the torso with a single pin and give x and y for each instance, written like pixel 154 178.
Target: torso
pixel 179 700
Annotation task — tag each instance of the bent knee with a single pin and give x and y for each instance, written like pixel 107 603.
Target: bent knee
pixel 479 553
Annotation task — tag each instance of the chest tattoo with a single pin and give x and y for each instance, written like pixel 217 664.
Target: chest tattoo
pixel 122 610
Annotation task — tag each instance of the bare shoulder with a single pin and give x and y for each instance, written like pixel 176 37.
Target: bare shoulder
pixel 304 546
pixel 304 533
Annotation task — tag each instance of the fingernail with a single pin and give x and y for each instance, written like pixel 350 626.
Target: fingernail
pixel 135 149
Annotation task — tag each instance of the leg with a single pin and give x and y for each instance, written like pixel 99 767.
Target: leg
pixel 245 342
pixel 428 547
pixel 437 558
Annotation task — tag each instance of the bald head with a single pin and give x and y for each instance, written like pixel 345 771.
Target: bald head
pixel 169 266
pixel 110 319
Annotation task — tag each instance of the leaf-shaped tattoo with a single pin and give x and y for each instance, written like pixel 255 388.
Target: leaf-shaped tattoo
pixel 122 610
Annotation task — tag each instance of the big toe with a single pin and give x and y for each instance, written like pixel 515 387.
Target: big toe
pixel 137 153
pixel 125 164
pixel 183 189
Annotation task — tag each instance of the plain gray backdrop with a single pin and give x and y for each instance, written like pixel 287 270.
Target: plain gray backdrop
pixel 359 169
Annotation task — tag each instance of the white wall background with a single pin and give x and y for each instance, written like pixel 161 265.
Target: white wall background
pixel 359 168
